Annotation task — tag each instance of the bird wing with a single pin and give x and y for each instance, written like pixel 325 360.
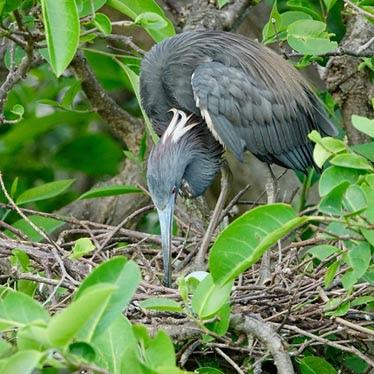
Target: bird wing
pixel 243 115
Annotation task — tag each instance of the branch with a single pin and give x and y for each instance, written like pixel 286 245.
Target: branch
pixel 250 325
pixel 126 127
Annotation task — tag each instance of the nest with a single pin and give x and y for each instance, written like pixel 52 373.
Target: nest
pixel 292 302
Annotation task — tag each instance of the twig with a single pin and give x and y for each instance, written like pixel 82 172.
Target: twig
pixel 359 9
pixel 229 360
pixel 273 342
pixel 349 349
pixel 200 257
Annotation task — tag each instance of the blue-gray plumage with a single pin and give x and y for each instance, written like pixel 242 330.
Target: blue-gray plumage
pixel 206 91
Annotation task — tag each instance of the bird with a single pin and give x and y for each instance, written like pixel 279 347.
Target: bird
pixel 207 92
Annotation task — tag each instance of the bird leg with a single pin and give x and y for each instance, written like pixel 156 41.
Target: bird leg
pixel 200 257
pixel 271 188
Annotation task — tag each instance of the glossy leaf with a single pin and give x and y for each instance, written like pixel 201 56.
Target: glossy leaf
pixel 160 351
pixel 113 190
pixel 103 23
pixel 331 272
pixel 351 161
pixel 47 224
pixel 366 150
pixel 65 325
pixel 111 346
pixel 355 199
pixel 209 297
pixel 82 247
pixel 83 350
pixel 363 124
pixel 86 7
pixel 61 25
pixel 24 362
pixel 329 4
pixel 359 257
pixel 134 79
pixel 222 3
pixel 333 201
pixel 322 251
pixel 222 320
pixel 125 276
pixel 161 304
pixel 151 20
pixel 315 365
pixel 309 37
pixel 44 191
pixel 18 309
pixel 245 240
pixel 133 8
pixel 334 175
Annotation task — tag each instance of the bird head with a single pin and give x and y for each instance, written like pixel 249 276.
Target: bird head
pixel 167 163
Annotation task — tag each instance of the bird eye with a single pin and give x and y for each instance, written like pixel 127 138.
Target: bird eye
pixel 174 190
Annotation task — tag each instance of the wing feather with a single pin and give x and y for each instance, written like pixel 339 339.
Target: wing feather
pixel 244 116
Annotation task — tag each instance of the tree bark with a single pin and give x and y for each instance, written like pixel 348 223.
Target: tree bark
pixel 352 88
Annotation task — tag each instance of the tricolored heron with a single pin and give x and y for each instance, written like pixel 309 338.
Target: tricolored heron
pixel 207 91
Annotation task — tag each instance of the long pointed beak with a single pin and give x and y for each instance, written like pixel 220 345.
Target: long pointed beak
pixel 166 223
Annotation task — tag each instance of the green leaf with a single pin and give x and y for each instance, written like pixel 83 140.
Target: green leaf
pixel 45 191
pixel 151 20
pixel 84 350
pixel 119 272
pixel 331 272
pixel 61 25
pixel 282 21
pixel 65 325
pixel 359 258
pixel 355 199
pixel 110 191
pixel 48 225
pixel 22 362
pixel 341 310
pixel 82 247
pixel 70 94
pixel 309 37
pixel 33 336
pixel 5 348
pixel 94 154
pixel 363 124
pixel 333 201
pixel 209 298
pixel 161 304
pixel 222 3
pixel 315 365
pixel 87 7
pixel 320 155
pixel 329 4
pixel 244 241
pixel 113 344
pixel 160 351
pixel 352 161
pixel 18 309
pixel 361 300
pixel 356 364
pixel 221 323
pixel 102 23
pixel 133 8
pixel 134 79
pixel 366 150
pixel 335 175
pixel 322 251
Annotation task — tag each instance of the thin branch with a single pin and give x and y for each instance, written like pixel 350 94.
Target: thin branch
pixel 359 9
pixel 273 342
